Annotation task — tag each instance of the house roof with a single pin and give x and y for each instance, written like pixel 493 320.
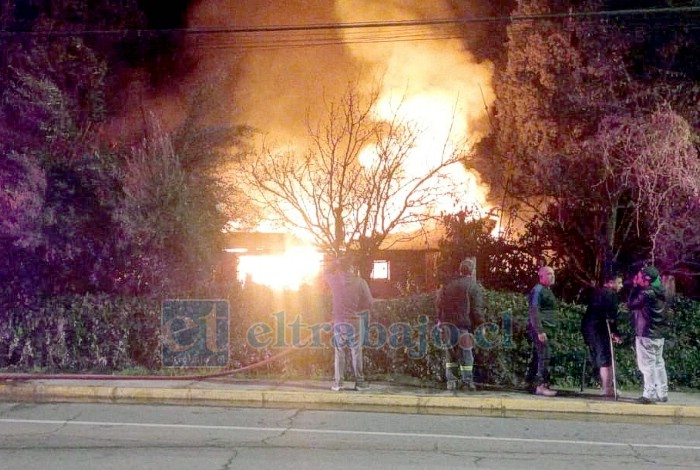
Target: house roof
pixel 274 242
pixel 260 242
pixel 414 241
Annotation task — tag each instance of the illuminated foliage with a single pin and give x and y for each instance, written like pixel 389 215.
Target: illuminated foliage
pixel 75 199
pixel 169 218
pixel 654 158
pixel 577 157
pixel 500 264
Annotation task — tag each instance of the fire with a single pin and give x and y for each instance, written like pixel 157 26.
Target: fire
pixel 442 131
pixel 289 270
pixel 437 85
pixel 443 88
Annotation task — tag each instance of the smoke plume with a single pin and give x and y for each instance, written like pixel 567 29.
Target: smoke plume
pixel 275 77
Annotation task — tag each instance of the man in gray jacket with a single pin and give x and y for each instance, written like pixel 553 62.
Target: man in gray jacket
pixel 541 328
pixel 351 297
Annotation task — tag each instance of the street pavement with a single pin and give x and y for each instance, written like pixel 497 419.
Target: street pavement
pixel 682 408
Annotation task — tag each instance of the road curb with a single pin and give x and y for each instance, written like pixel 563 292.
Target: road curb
pixel 490 405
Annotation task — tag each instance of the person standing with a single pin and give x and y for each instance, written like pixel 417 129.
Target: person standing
pixel 599 329
pixel 541 328
pixel 647 305
pixel 460 309
pixel 351 297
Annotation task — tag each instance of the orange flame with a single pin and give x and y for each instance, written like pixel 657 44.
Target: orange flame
pixel 444 89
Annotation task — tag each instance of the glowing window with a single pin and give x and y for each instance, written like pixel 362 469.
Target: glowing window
pixel 297 266
pixel 380 270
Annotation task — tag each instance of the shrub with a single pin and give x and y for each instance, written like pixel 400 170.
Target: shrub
pixel 97 332
pixel 257 304
pixel 503 356
pixel 81 333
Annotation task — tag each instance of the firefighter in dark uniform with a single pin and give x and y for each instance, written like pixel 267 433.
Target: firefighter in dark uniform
pixel 460 305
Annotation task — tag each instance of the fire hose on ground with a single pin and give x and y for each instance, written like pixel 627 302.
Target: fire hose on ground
pixel 27 376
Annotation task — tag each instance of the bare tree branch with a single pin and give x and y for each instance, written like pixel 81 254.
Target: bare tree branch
pixel 357 181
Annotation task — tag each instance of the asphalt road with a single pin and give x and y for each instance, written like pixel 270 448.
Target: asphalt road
pixel 93 436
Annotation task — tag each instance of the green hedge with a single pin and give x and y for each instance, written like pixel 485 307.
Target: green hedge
pixel 504 359
pixel 98 333
pixel 81 334
pixel 501 358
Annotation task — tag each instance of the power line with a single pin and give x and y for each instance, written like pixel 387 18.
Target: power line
pixel 362 25
pixel 308 39
pixel 298 39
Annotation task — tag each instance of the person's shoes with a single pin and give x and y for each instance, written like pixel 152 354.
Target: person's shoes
pixel 469 386
pixel 451 385
pixel 336 388
pixel 607 393
pixel 645 401
pixel 361 386
pixel 545 391
pixel 662 400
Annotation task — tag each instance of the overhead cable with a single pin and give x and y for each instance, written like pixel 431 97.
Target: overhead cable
pixel 365 25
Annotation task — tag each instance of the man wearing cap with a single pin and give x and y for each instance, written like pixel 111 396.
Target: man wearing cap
pixel 460 310
pixel 541 326
pixel 647 305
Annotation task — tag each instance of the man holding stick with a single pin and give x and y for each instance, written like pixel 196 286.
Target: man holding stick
pixel 599 328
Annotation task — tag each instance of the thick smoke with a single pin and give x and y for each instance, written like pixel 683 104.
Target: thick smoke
pixel 276 76
pixel 273 78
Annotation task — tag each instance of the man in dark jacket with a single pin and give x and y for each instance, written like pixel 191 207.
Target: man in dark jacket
pixel 460 306
pixel 599 328
pixel 647 305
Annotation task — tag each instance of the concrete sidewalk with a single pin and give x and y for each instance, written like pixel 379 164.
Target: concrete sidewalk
pixel 382 396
